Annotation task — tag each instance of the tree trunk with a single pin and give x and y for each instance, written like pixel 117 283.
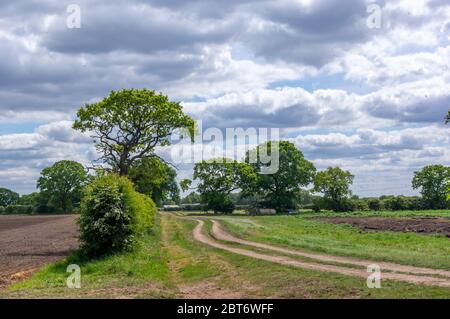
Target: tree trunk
pixel 123 170
pixel 123 165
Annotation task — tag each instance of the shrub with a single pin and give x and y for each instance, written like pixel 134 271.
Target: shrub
pixel 374 204
pixel 358 205
pixel 2 210
pixel 18 209
pixel 319 203
pixel 113 215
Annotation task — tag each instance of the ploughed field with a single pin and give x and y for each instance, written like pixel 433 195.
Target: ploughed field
pixel 29 242
pixel 421 225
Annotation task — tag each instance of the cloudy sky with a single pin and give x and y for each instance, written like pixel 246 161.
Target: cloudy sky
pixel 349 91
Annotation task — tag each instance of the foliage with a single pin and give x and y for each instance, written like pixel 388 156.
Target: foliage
pixel 39 201
pixel 8 197
pixel 434 181
pixel 62 183
pixel 192 198
pixel 374 204
pixel 447 118
pixel 113 215
pixel 279 190
pixel 334 183
pixel 128 125
pixel 218 178
pixel 153 177
pixel 18 209
pixel 185 184
pixel 357 204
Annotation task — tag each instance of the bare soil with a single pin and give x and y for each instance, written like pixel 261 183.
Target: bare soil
pixel 29 242
pixel 422 225
pixel 284 260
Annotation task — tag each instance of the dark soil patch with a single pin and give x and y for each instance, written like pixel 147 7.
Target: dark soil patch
pixel 29 242
pixel 422 225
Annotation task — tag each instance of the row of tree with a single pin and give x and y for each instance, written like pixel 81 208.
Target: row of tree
pixel 60 186
pixel 219 179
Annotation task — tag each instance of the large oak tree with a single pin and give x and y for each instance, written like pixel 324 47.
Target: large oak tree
pixel 218 178
pixel 128 125
pixel 334 183
pixel 280 189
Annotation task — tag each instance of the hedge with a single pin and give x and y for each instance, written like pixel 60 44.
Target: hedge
pixel 113 215
pixel 17 209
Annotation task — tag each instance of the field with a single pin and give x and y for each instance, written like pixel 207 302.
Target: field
pixel 29 242
pixel 295 256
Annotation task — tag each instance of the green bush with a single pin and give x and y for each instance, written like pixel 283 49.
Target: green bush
pixel 17 209
pixel 113 215
pixel 358 205
pixel 374 204
pixel 2 210
pixel 402 203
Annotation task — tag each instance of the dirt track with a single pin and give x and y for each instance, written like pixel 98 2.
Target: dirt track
pixel 412 277
pixel 422 225
pixel 29 242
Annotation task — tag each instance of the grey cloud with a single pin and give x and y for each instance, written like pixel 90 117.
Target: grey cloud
pixel 419 110
pixel 313 35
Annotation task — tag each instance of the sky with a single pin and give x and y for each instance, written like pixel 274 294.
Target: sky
pixel 364 85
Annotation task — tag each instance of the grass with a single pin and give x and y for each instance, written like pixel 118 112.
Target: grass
pixel 129 273
pixel 170 263
pixel 302 232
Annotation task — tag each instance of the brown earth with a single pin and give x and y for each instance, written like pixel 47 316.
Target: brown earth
pixel 29 242
pixel 284 260
pixel 422 225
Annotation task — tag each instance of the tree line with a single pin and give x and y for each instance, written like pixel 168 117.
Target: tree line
pixel 284 190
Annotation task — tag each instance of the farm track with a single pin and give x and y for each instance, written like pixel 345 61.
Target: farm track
pixel 390 271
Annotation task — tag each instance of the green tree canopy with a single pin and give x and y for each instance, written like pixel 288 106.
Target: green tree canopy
pixel 8 197
pixel 218 178
pixel 39 201
pixel 433 181
pixel 280 190
pixel 62 183
pixel 447 118
pixel 185 184
pixel 128 125
pixel 334 183
pixel 153 177
pixel 192 198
